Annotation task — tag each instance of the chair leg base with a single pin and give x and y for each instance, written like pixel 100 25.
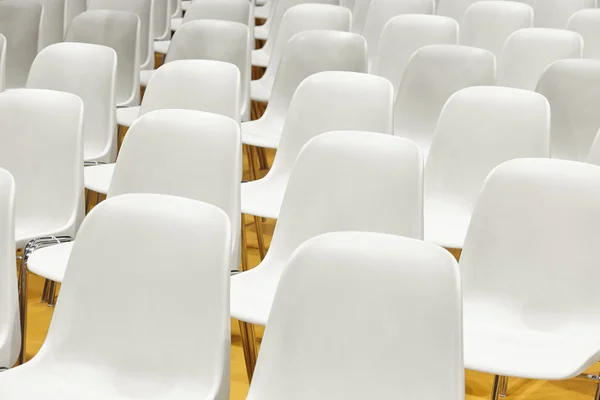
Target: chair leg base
pixel 249 345
pixel 499 387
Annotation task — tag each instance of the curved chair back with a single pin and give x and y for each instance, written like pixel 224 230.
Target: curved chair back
pixel 10 328
pixel 488 24
pixel 528 52
pixel 161 23
pixel 556 13
pixel 405 34
pixel 2 62
pixel 88 71
pixel 433 74
pixel 203 85
pixel 52 26
pixel 72 9
pixel 20 24
pixel 361 288
pixel 226 10
pixel 118 30
pixel 587 24
pixel 454 9
pixel 47 127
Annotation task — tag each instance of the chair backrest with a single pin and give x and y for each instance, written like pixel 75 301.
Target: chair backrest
pixel 175 8
pixel 215 40
pixel 360 8
pixel 556 13
pixel 161 22
pixel 361 289
pixel 155 237
pixel 405 34
pixel 202 85
pixel 332 101
pixel 48 127
pixel 381 11
pixel 572 88
pixel 118 30
pixel 72 9
pixel 488 24
pixel 350 181
pixel 88 71
pixel 2 62
pixel 20 24
pixel 52 26
pixel 546 212
pixel 433 74
pixel 528 52
pixel 587 24
pixel 10 328
pixel 226 10
pixel 184 153
pixel 310 52
pixel 453 8
pixel 478 129
pixel 143 9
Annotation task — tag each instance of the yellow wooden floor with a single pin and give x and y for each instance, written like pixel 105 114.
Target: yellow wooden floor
pixel 478 385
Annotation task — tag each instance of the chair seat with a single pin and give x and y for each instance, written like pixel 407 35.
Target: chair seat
pixel 262 133
pixel 445 224
pixel 260 58
pixel 162 46
pixel 499 349
pixel 261 32
pixel 51 262
pixel 185 4
pixel 261 11
pixel 127 115
pixel 97 178
pixel 260 90
pixel 34 229
pixel 176 23
pixel 145 76
pixel 263 197
pixel 252 293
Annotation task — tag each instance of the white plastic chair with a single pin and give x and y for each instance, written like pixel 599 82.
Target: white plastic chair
pixel 359 14
pixel 478 129
pixel 305 54
pixel 587 24
pixel 2 62
pixel 556 13
pixel 161 10
pixel 202 85
pixel 72 9
pixel 120 31
pixel 341 181
pixel 433 74
pixel 156 157
pixel 488 24
pixel 176 10
pixel 41 146
pixel 362 291
pixel 10 333
pixel 141 8
pixel 453 8
pixel 381 11
pixel 114 346
pixel 573 89
pixel 405 34
pixel 227 10
pixel 213 40
pixel 52 25
pixel 299 16
pixel 262 10
pixel 20 24
pixel 530 272
pixel 528 52
pixel 325 101
pixel 88 71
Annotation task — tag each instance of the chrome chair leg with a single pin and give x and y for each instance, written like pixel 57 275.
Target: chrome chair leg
pixel 44 298
pixel 503 386
pixel 249 345
pixel 260 238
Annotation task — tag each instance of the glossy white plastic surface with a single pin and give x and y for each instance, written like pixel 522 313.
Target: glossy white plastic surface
pixel 161 19
pixel 88 71
pixel 573 89
pixel 118 30
pixel 213 40
pixel 556 13
pixel 10 328
pixel 175 8
pixel 453 8
pixel 305 54
pixel 2 62
pixel 479 128
pixel 405 34
pixel 528 52
pixel 114 346
pixel 381 11
pixel 52 23
pixel 46 128
pixel 433 74
pixel 362 289
pixel 20 24
pixel 141 8
pixel 587 24
pixel 488 24
pixel 299 16
pixel 529 269
pixel 341 181
pixel 327 101
pixel 72 9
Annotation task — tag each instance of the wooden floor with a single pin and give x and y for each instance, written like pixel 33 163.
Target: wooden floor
pixel 478 385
